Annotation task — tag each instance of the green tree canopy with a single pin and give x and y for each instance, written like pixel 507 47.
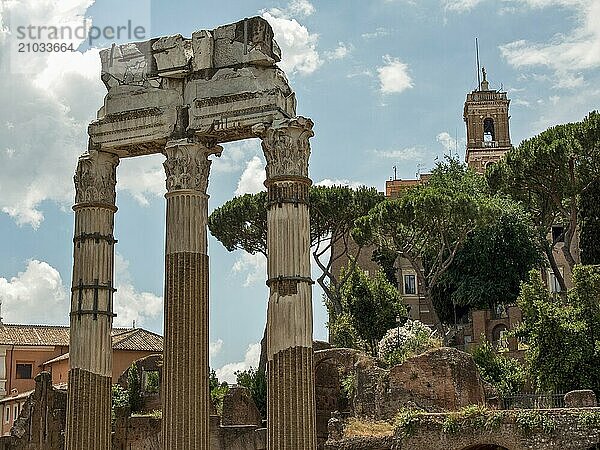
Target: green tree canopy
pixel 370 306
pixel 563 334
pixel 488 270
pixel 241 223
pixel 548 173
pixel 429 223
pixel 507 375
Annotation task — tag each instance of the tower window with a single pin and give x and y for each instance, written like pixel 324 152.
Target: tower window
pixel 488 130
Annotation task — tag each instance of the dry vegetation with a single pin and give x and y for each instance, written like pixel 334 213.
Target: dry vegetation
pixel 363 428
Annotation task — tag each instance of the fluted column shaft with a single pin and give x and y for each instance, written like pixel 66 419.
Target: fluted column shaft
pixel 90 350
pixel 185 422
pixel 291 395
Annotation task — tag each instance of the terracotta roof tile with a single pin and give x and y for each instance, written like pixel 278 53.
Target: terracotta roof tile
pixel 34 335
pixel 138 339
pixel 41 335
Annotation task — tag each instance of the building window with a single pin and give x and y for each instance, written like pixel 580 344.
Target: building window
pixel 558 233
pixel 489 135
pixel 7 414
pixel 410 284
pixel 24 371
pixel 16 412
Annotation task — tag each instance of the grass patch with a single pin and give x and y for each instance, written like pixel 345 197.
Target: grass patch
pixel 368 428
pixel 473 418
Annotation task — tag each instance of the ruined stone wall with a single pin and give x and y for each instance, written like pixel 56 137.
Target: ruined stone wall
pixel 443 379
pixel 42 420
pixel 564 429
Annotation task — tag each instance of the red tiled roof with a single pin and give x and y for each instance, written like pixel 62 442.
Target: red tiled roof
pixel 34 335
pixel 42 335
pixel 137 339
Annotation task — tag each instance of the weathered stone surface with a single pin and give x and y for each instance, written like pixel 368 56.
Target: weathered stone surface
pixel 439 380
pixel 217 85
pixel 581 399
pixel 239 408
pixel 443 378
pixel 249 41
pixel 173 56
pixel 42 419
pixel 227 105
pixel 90 368
pixel 131 64
pixel 571 433
pixel 203 46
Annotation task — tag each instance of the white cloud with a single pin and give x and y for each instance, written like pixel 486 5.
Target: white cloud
pixel 521 102
pixel 379 32
pixel 35 296
pixel 143 177
pixel 339 182
pixel 129 303
pixel 301 7
pixel 340 52
pixel 253 266
pixel 251 359
pixel 49 112
pixel 38 296
pixel 235 155
pixel 214 348
pixel 568 54
pixel 298 45
pixel 252 177
pixel 394 76
pixel 450 144
pixel 360 73
pixel 403 154
pixel 460 5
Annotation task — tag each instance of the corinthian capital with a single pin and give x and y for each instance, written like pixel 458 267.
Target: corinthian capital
pixel 187 166
pixel 96 178
pixel 286 147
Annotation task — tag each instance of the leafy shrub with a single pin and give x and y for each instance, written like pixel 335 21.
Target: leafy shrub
pixel 349 385
pixel 529 421
pixel 256 382
pixel 343 334
pixel 134 389
pixel 218 391
pixel 401 343
pixel 507 375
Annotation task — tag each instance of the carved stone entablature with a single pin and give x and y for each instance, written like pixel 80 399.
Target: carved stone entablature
pixel 187 166
pixel 95 178
pixel 286 147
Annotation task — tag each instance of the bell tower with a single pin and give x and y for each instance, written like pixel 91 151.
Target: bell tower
pixel 486 116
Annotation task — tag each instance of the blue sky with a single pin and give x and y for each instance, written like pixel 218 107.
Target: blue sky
pixel 383 80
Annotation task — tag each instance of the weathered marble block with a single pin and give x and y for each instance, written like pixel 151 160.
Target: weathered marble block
pixel 217 84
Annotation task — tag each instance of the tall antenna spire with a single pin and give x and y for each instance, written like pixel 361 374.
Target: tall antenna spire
pixel 478 71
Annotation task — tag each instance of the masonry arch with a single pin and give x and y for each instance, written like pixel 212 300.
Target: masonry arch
pixel 489 132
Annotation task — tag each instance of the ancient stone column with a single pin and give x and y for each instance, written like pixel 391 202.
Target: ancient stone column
pixel 185 417
pixel 90 350
pixel 291 394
